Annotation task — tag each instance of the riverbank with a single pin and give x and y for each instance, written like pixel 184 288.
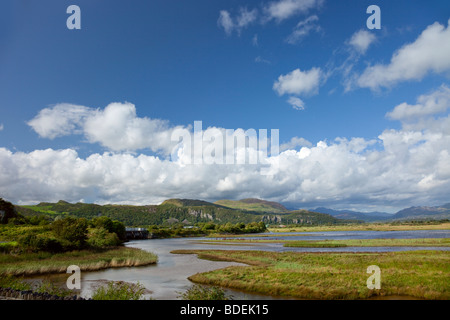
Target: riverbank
pixel 88 260
pixel 419 274
pixel 430 225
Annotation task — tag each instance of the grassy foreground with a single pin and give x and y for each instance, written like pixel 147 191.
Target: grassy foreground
pixel 421 274
pixel 87 260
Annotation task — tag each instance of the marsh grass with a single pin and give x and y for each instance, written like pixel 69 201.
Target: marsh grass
pixel 367 227
pixel 199 292
pixel 421 242
pixel 119 290
pixel 421 274
pixel 88 260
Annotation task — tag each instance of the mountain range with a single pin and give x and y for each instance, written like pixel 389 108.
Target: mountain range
pixel 412 213
pixel 190 211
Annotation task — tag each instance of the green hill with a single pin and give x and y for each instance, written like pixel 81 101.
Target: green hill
pixel 256 205
pixel 185 211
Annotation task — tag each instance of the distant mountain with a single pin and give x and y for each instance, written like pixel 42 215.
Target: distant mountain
pixel 349 214
pixel 412 213
pixel 256 205
pixel 438 212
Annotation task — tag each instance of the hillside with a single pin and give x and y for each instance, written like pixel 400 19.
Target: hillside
pixel 423 212
pixel 349 214
pixel 256 205
pixel 184 211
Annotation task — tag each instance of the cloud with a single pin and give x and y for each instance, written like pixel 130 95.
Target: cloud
pixel 1 126
pixel 296 103
pixel 275 10
pixel 225 21
pixel 243 19
pixel 117 127
pixel 255 40
pixel 298 82
pixel 430 52
pixel 294 143
pixel 401 167
pixel 303 29
pixel 284 9
pixel 361 40
pixel 60 120
pixel 259 59
pixel 427 105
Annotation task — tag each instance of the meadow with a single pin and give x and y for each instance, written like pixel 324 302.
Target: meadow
pixel 418 274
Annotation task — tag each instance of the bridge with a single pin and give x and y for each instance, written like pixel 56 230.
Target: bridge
pixel 136 233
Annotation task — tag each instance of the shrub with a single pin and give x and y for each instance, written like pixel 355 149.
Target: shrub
pixel 8 247
pixel 101 238
pixel 36 243
pixel 72 231
pixel 50 288
pixel 198 292
pixel 119 290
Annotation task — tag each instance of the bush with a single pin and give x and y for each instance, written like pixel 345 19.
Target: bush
pixel 72 232
pixel 36 243
pixel 7 211
pixel 50 288
pixel 119 290
pixel 198 292
pixel 101 238
pixel 115 226
pixel 8 247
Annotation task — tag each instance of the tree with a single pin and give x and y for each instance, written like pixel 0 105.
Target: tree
pixel 7 211
pixel 72 231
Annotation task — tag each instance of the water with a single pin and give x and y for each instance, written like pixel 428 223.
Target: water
pixel 168 278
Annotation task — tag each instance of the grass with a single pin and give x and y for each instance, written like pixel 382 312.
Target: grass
pixel 87 260
pixel 367 227
pixel 420 242
pixel 420 274
pixel 41 209
pixel 425 242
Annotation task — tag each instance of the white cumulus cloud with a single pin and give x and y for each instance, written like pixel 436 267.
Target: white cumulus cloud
pixel 429 53
pixel 361 40
pixel 436 102
pixel 284 9
pixel 116 127
pixel 401 167
pixel 298 82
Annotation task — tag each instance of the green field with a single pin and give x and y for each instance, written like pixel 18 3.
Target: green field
pixel 420 274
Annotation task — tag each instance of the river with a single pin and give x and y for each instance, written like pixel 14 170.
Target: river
pixel 168 278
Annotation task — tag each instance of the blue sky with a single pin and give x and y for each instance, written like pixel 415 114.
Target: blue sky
pixel 230 64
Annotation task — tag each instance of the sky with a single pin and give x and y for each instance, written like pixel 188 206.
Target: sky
pixel 90 114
